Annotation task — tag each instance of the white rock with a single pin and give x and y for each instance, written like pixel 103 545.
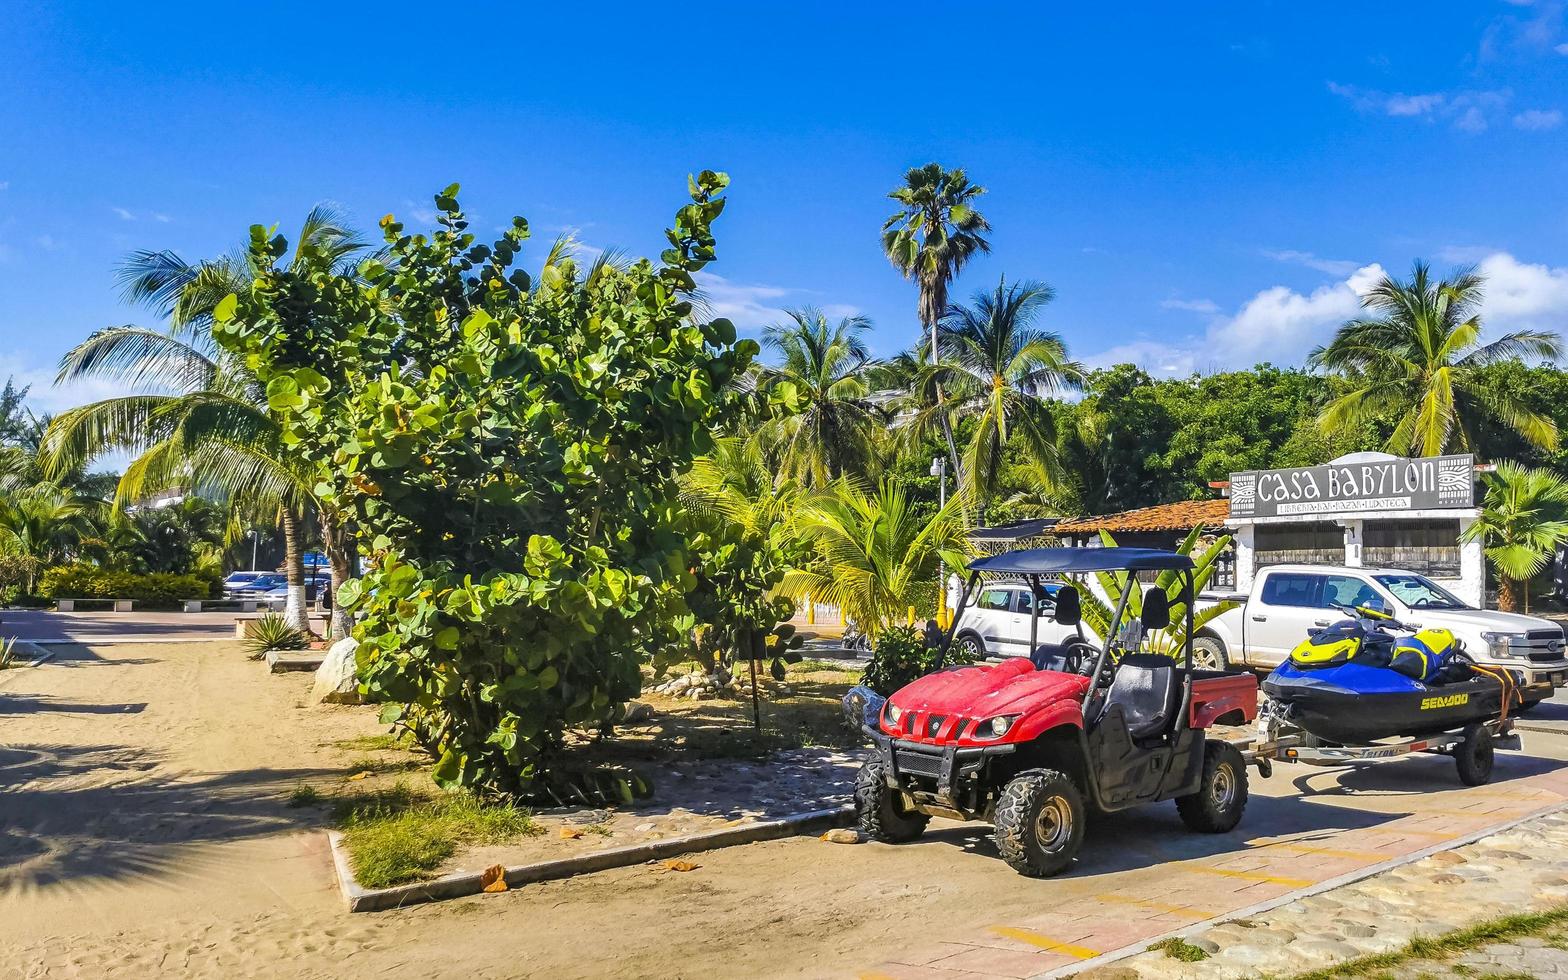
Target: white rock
pixel 841 835
pixel 335 682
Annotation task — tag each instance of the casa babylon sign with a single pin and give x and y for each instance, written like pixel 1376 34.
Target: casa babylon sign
pixel 1344 487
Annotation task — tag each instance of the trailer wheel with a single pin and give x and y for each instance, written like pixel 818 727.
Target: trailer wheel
pixel 1473 756
pixel 1039 822
pixel 1222 795
pixel 881 812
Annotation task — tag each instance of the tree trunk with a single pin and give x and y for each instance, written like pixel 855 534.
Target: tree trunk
pixel 295 612
pixel 947 425
pixel 1508 590
pixel 343 556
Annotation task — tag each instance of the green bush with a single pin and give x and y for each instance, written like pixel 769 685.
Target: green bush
pixel 80 580
pixel 901 655
pixel 272 632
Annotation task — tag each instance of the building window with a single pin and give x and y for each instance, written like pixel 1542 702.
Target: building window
pixel 1321 543
pixel 1428 547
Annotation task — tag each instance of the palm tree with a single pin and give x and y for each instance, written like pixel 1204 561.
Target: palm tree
pixel 823 371
pixel 930 239
pixel 1416 356
pixel 999 368
pixel 43 525
pixel 872 557
pixel 206 427
pixel 1524 517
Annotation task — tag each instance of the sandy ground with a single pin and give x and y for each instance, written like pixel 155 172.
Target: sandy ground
pixel 145 833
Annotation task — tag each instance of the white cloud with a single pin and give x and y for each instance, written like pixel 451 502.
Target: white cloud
pixel 1191 305
pixel 1538 119
pixel 1282 326
pixel 1470 110
pixel 1562 49
pixel 44 397
pixel 1520 295
pixel 1334 267
pixel 752 306
pixel 123 213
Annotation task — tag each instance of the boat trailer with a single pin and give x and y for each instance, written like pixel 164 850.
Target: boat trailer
pixel 1471 746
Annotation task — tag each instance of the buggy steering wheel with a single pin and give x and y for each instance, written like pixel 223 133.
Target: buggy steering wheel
pixel 1079 658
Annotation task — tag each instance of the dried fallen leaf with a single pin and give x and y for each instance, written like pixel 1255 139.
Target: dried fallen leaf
pixel 493 879
pixel 676 864
pixel 570 833
pixel 359 775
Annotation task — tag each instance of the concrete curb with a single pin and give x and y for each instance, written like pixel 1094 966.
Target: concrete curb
pixel 361 899
pixel 101 641
pixel 1349 878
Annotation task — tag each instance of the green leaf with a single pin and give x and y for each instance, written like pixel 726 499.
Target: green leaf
pixel 224 311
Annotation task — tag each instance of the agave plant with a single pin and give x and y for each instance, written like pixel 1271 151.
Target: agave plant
pixel 1100 599
pixel 273 632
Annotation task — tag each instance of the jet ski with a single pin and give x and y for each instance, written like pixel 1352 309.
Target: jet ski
pixel 1354 682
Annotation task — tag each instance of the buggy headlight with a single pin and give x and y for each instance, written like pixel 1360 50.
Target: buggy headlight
pixel 1506 644
pixel 996 727
pixel 894 712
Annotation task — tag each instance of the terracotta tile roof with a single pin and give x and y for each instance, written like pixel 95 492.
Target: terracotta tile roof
pixel 1183 515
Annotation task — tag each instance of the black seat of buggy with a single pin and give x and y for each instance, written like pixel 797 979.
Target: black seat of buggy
pixel 1147 688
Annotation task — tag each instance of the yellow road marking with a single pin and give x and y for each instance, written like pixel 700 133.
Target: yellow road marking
pixel 1045 942
pixel 1166 907
pixel 1329 852
pixel 1253 876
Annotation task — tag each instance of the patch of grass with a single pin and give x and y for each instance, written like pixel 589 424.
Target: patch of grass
pixel 386 742
pixel 365 763
pixel 398 835
pixel 835 666
pixel 8 657
pixel 598 828
pixel 1178 948
pixel 1449 944
pixel 304 795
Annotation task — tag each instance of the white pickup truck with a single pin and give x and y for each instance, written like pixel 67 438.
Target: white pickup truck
pixel 1288 600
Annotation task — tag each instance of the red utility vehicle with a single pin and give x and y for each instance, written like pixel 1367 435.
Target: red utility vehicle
pixel 1033 743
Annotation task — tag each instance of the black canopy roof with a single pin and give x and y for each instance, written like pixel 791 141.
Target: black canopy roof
pixel 1040 561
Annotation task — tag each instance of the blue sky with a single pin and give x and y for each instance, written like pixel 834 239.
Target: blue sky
pixel 1204 185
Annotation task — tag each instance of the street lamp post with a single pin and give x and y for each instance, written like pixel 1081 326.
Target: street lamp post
pixel 939 470
pixel 255 539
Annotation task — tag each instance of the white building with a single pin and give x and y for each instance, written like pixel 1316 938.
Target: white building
pixel 1364 510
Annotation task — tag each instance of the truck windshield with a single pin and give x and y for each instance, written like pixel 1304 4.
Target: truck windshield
pixel 1419 592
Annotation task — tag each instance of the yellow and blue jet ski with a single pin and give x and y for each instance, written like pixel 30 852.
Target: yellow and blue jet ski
pixel 1356 682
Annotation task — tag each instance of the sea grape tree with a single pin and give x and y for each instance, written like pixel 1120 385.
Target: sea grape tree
pixel 509 447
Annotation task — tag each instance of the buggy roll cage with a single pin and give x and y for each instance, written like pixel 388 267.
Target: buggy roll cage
pixel 1032 563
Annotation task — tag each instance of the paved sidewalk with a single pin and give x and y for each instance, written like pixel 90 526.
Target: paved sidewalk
pixel 1068 930
pixel 47 626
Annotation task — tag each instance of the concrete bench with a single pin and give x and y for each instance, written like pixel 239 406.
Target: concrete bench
pixel 242 605
pixel 118 605
pixel 245 625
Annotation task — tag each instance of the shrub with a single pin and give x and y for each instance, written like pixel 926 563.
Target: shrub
pixel 507 449
pixel 80 580
pixel 901 656
pixel 272 632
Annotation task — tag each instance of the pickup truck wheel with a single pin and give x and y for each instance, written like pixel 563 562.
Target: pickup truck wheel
pixel 1473 756
pixel 1039 822
pixel 881 812
pixel 1208 654
pixel 1222 795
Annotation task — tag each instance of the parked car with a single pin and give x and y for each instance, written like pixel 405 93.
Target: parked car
pixel 997 622
pixel 256 587
pixel 319 585
pixel 240 580
pixel 1287 601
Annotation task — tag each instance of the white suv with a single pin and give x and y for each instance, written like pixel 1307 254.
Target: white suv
pixel 996 623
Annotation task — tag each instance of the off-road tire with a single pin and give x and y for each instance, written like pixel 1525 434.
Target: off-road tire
pixel 1473 756
pixel 971 649
pixel 1221 798
pixel 879 811
pixel 1040 822
pixel 1208 653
